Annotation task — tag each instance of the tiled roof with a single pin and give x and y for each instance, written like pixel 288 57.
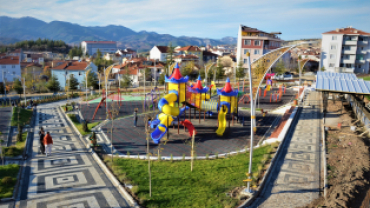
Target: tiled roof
pixel 105 42
pixel 141 63
pixel 162 49
pixel 72 65
pixel 250 29
pixel 347 31
pixel 207 53
pixel 32 64
pixel 131 70
pixel 189 56
pixel 189 48
pixel 8 60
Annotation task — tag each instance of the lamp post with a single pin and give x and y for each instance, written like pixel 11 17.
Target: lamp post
pixel 253 117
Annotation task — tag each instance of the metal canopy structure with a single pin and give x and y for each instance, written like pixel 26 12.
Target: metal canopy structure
pixel 341 83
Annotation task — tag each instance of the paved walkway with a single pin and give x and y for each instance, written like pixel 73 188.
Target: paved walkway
pixel 69 177
pixel 295 179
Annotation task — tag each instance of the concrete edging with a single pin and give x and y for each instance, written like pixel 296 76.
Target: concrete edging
pixel 323 136
pixel 111 177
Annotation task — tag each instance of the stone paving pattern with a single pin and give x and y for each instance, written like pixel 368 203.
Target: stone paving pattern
pixel 295 180
pixel 69 177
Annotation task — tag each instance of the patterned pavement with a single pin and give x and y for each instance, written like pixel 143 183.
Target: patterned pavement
pixel 69 177
pixel 295 179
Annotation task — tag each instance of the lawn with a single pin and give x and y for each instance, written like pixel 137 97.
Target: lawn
pixel 16 149
pixel 365 78
pixel 25 116
pixel 79 125
pixel 174 185
pixel 8 174
pixel 69 108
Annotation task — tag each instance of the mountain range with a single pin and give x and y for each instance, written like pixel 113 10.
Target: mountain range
pixel 28 28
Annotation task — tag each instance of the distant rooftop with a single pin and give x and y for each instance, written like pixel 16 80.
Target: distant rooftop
pixel 347 31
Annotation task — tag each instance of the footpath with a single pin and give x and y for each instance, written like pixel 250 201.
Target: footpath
pixel 69 177
pixel 295 180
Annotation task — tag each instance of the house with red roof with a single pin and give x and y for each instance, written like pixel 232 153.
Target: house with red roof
pixel 160 53
pixel 345 50
pixel 10 67
pixel 64 69
pixel 191 50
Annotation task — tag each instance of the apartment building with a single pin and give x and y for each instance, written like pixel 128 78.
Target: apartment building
pixel 10 68
pixel 91 47
pixel 345 50
pixel 256 42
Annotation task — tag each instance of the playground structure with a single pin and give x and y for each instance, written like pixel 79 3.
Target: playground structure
pixel 182 97
pixel 151 99
pixel 104 100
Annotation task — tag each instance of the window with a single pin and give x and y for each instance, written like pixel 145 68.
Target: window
pixel 245 61
pixel 359 66
pixel 256 42
pixel 333 47
pixel 332 56
pixel 348 65
pixel 247 50
pixel 13 66
pixel 334 37
pixel 331 65
pixel 247 42
pixel 256 51
pixel 13 72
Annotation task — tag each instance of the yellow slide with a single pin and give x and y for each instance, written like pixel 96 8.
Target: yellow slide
pixel 222 121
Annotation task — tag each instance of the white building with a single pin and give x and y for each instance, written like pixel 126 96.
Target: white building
pixel 91 47
pixel 159 53
pixel 345 50
pixel 10 68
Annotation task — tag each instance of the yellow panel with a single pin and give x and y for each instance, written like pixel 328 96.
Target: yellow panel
pixel 225 99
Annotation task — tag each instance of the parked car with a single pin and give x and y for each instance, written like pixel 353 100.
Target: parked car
pixel 285 76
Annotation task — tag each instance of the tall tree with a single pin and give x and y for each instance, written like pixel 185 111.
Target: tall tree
pixel 72 83
pixel 240 73
pixel 53 84
pixel 92 80
pixel 280 67
pixel 126 80
pixel 220 72
pixel 17 86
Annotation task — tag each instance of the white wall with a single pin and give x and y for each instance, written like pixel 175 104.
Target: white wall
pixel 10 72
pixel 326 50
pixel 156 54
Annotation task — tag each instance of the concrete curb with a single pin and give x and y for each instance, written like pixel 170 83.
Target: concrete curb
pixel 323 136
pixel 110 176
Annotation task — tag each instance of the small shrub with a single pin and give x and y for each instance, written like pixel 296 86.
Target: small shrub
pixel 135 189
pixel 122 177
pixel 85 127
pixel 171 158
pixel 7 180
pixel 259 168
pixel 207 156
pixel 255 175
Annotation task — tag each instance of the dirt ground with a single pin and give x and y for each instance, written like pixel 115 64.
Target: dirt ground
pixel 348 163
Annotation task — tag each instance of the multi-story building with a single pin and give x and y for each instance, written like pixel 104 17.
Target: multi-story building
pixel 256 42
pixel 345 50
pixel 64 69
pixel 91 47
pixel 190 50
pixel 10 68
pixel 159 53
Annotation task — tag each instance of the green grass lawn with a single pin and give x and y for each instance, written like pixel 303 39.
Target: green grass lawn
pixel 69 108
pixel 245 108
pixel 25 116
pixel 79 125
pixel 16 149
pixel 365 78
pixel 174 185
pixel 8 174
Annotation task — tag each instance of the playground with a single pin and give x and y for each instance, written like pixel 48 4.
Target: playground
pixel 221 122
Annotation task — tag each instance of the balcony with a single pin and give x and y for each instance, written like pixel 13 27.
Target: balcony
pixel 350 42
pixel 360 61
pixel 350 60
pixel 363 42
pixel 351 51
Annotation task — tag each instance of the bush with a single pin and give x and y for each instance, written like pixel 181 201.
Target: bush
pixel 84 126
pixel 135 189
pixel 7 180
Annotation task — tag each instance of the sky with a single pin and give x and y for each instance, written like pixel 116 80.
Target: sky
pixel 296 19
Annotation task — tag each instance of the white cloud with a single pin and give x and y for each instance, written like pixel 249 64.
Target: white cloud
pixel 215 19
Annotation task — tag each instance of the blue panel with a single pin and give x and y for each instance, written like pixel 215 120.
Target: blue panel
pixel 356 86
pixel 325 84
pixel 350 86
pixel 331 84
pixel 338 85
